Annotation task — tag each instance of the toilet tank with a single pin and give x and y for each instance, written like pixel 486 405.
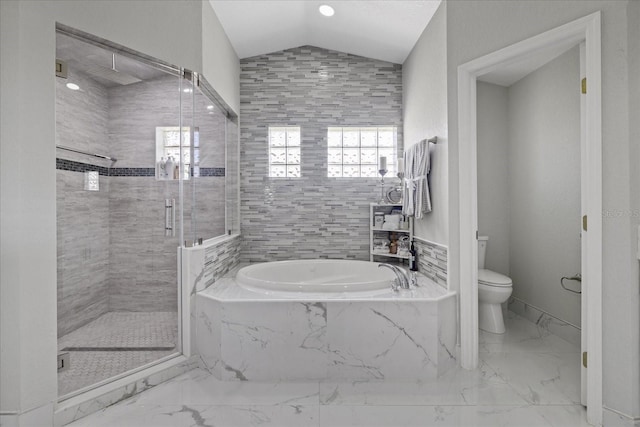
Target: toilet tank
pixel 482 250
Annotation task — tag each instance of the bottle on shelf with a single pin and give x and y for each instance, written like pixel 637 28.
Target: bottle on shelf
pixel 413 258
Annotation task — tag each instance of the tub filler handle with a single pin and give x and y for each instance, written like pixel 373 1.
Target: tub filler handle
pixel 401 280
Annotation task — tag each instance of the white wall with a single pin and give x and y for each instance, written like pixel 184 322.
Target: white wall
pixel 220 63
pixel 493 191
pixel 424 99
pixel 28 200
pixel 544 186
pixel 476 28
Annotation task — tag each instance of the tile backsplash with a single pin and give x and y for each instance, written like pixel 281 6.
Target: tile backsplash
pixel 432 261
pixel 312 216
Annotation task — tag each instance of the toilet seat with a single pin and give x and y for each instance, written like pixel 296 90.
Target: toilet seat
pixel 491 278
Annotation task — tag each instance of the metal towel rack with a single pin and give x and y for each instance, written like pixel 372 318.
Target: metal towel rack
pixel 434 140
pixel 577 278
pixel 101 156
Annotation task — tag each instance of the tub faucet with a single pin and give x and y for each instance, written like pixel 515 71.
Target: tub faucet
pixel 401 280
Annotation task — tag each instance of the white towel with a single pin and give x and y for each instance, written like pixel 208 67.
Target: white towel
pixel 415 192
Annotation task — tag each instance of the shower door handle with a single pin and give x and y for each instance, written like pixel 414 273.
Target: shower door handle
pixel 169 217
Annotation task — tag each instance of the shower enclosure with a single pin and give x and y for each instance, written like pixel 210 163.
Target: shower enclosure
pixel 144 155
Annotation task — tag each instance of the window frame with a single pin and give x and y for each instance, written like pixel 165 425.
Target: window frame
pixel 287 147
pixel 391 152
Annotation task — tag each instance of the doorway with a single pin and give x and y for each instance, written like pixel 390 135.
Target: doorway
pixel 585 30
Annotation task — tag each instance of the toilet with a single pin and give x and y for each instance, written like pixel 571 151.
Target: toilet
pixel 493 290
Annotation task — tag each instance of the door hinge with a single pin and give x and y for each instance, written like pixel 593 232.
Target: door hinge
pixel 584 222
pixel 584 85
pixel 61 68
pixel 64 362
pixel 584 359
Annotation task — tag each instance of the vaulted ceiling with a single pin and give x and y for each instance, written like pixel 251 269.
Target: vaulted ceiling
pixel 385 30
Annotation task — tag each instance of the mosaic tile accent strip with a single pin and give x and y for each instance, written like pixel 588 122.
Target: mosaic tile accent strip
pixel 211 172
pixel 73 166
pixel 220 259
pixel 312 216
pixel 432 261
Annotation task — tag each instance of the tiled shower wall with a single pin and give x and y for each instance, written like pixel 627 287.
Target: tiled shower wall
pixel 112 251
pixel 312 216
pixel 82 216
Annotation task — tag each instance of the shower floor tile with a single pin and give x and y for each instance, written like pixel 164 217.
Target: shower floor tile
pixel 114 343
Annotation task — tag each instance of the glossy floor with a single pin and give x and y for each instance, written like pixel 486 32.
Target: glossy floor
pixel 527 377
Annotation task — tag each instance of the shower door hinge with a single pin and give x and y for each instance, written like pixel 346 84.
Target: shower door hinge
pixel 584 222
pixel 584 359
pixel 64 362
pixel 583 85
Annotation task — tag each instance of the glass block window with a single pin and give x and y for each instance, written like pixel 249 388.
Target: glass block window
pixel 354 152
pixel 284 152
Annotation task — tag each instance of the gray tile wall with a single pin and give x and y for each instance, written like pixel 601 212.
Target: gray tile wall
pixel 112 251
pixel 313 216
pixel 220 259
pixel 143 260
pixel 432 261
pixel 82 216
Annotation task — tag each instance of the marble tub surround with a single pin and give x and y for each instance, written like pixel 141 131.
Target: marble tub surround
pixel 203 266
pixel 243 335
pixel 489 396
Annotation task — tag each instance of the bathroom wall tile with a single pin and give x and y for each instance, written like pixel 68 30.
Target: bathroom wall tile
pixel 83 251
pixel 432 261
pixel 312 216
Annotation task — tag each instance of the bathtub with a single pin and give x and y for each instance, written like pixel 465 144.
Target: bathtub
pixel 329 278
pixel 306 320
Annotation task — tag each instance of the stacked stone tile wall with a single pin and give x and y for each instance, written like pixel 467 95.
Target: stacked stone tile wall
pixel 312 216
pixel 432 261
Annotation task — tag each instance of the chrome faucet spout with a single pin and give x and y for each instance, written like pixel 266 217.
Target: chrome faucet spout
pixel 401 280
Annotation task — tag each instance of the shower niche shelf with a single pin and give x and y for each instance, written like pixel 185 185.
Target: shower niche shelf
pixel 382 240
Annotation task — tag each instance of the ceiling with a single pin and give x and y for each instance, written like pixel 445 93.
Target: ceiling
pixel 98 63
pixel 384 30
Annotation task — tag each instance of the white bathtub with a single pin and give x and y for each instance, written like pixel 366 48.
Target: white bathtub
pixel 304 320
pixel 316 276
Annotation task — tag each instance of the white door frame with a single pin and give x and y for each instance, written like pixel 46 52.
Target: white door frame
pixel 585 29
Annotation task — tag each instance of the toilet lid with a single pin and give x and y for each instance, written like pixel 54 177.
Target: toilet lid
pixel 491 278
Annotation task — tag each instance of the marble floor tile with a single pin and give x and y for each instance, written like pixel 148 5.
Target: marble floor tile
pixel 203 415
pixel 540 378
pixel 514 386
pixel 523 336
pixel 482 386
pixel 431 416
pixel 198 387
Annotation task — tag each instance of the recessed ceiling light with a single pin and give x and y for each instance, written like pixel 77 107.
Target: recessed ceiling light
pixel 187 90
pixel 73 86
pixel 209 107
pixel 326 10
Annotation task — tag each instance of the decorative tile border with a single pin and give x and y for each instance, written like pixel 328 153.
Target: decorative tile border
pixel 432 260
pixel 71 165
